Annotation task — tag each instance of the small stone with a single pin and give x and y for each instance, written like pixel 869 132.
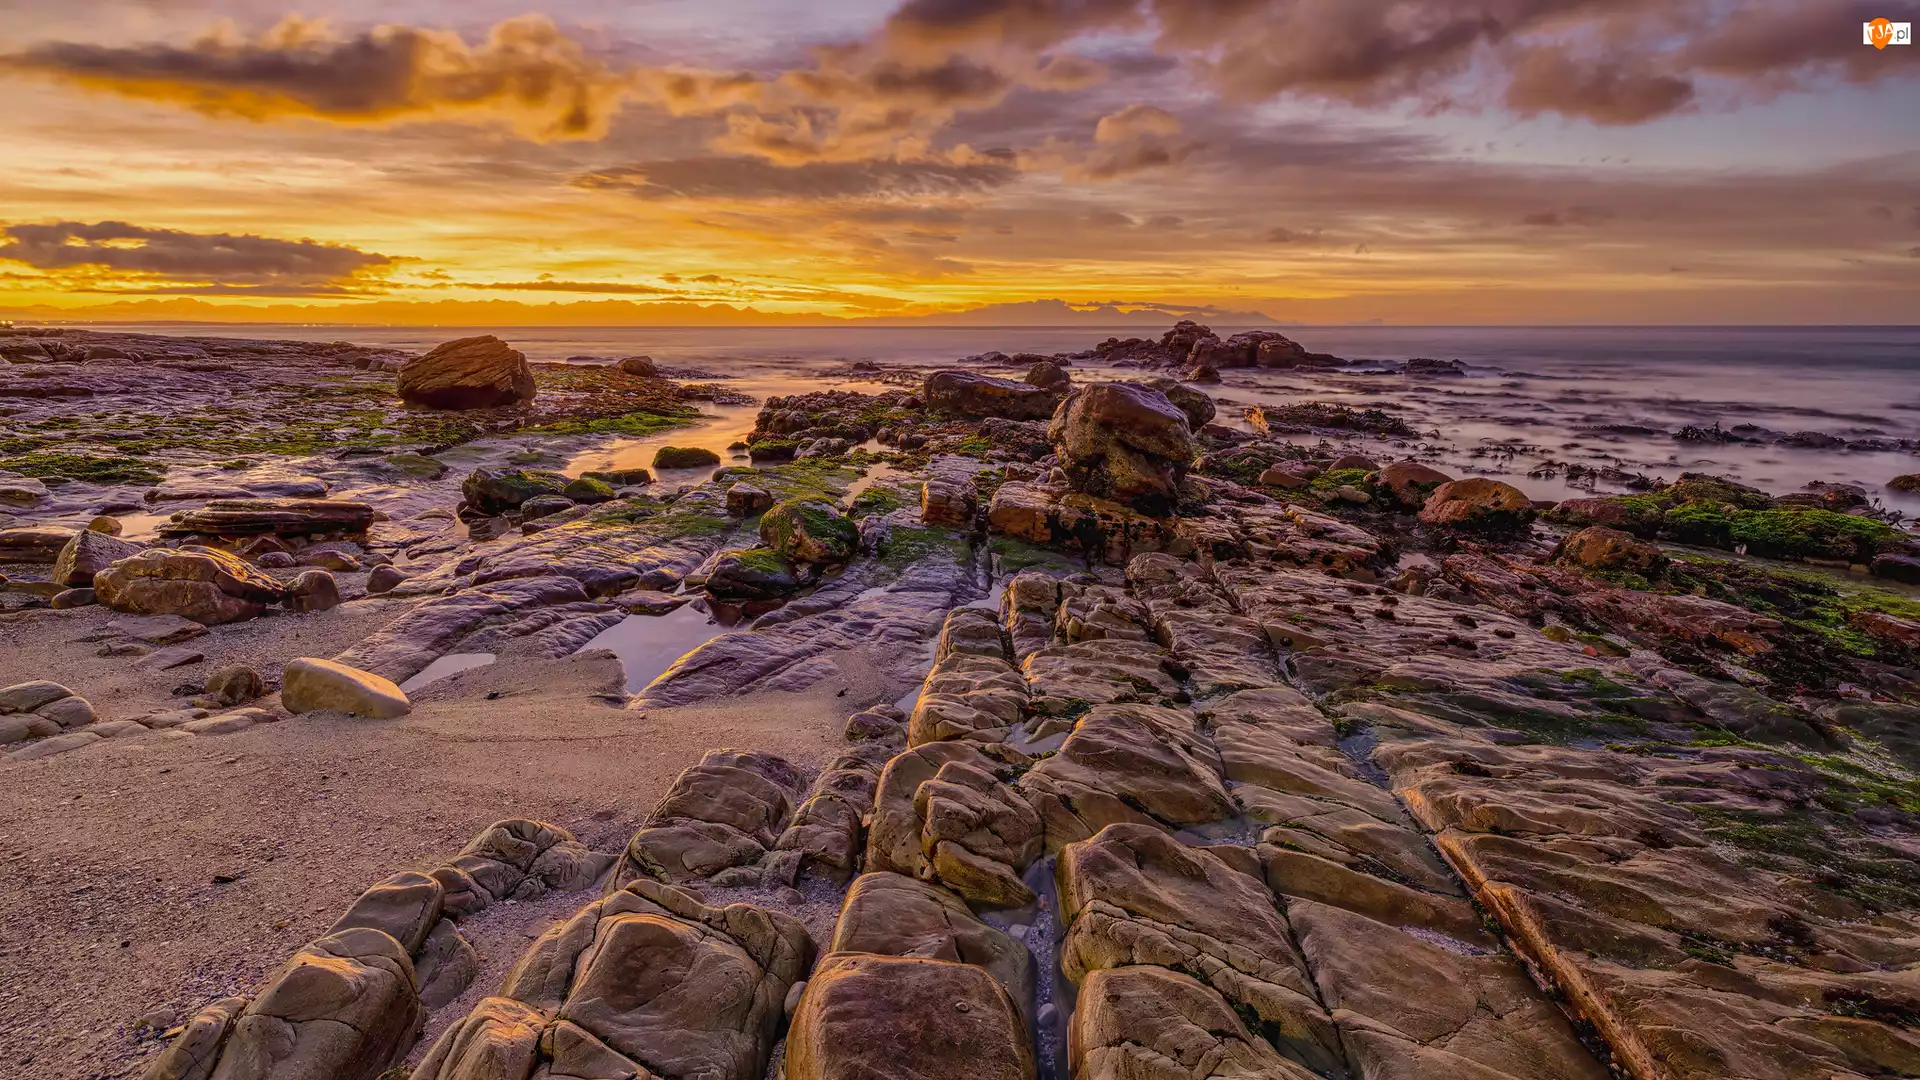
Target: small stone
pixel 310 684
pixel 746 500
pixel 235 684
pixel 384 579
pixel 313 591
pixel 641 366
pixel 104 524
pixel 176 656
pixel 276 560
pixel 1275 476
pixel 74 598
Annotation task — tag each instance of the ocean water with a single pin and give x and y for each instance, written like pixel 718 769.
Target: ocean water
pixel 1535 398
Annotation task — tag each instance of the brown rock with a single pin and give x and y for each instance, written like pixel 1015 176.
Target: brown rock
pixel 345 1008
pixel 1910 483
pixel 865 1017
pixel 471 373
pixel 1598 547
pixel 642 366
pixel 1408 483
pixel 313 591
pixel 963 393
pixel 891 915
pixel 1124 442
pixel 1478 504
pixel 87 554
pixel 202 584
pixel 34 543
pixel 272 517
pixel 1148 1023
pixel 235 684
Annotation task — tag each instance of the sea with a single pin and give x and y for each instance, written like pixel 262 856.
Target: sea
pixel 1534 400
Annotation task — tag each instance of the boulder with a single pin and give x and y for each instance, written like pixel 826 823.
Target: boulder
pixel 31 696
pixel 963 393
pixel 272 517
pixel 104 524
pixel 809 531
pixel 87 554
pixel 589 491
pixel 203 584
pixel 1597 547
pixel 1406 484
pixel 310 684
pixel 1909 483
pixel 541 506
pixel 1901 568
pixel 1124 442
pixel 1135 1023
pixel 865 1016
pixel 620 478
pixel 684 457
pixel 471 373
pixel 34 543
pixel 1478 504
pixel 1282 477
pixel 73 598
pixel 491 492
pixel 313 591
pixel 750 575
pixel 345 1007
pixel 642 366
pixel 1048 375
pixel 947 500
pixel 1197 405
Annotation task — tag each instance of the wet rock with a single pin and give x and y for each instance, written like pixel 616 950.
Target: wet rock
pixel 1909 483
pixel 620 478
pixel 1478 504
pixel 866 1016
pixel 34 543
pixel 1901 568
pixel 1124 442
pixel 73 598
pixel 541 506
pixel 641 366
pixel 963 393
pixel 809 531
pixel 684 457
pixel 276 560
pixel 1600 548
pixel 1407 484
pixel 235 684
pixel 588 491
pixel 1425 367
pixel 470 373
pixel 203 584
pixel 275 517
pixel 749 575
pixel 418 466
pixel 384 579
pixel 1282 477
pixel 309 684
pixel 1636 517
pixel 746 500
pixel 313 591
pixel 492 492
pixel 1887 628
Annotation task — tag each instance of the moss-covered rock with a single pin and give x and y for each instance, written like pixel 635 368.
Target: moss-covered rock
pixel 751 574
pixel 684 457
pixel 809 531
pixel 1641 515
pixel 588 490
pixel 1692 487
pixel 621 477
pixel 1478 504
pixel 499 491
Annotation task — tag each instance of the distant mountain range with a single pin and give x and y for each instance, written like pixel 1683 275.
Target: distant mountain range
pixel 606 313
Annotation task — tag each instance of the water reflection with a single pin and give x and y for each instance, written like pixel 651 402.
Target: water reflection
pixel 647 645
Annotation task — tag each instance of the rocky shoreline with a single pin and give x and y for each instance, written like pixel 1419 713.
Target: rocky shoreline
pixel 1225 749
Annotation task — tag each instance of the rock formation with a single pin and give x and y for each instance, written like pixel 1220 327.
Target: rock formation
pixel 471 373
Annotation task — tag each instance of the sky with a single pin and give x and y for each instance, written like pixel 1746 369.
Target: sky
pixel 716 161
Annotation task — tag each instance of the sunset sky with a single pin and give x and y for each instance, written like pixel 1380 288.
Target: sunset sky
pixel 1479 161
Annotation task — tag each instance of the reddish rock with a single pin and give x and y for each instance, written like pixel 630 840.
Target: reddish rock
pixel 1600 548
pixel 1478 504
pixel 471 373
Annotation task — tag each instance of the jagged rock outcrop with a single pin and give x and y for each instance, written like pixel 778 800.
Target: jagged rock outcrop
pixel 203 584
pixel 470 373
pixel 272 517
pixel 87 554
pixel 964 393
pixel 1124 442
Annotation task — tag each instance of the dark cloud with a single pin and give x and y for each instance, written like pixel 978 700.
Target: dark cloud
pixel 1605 91
pixel 219 259
pixel 752 178
pixel 1587 216
pixel 526 73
